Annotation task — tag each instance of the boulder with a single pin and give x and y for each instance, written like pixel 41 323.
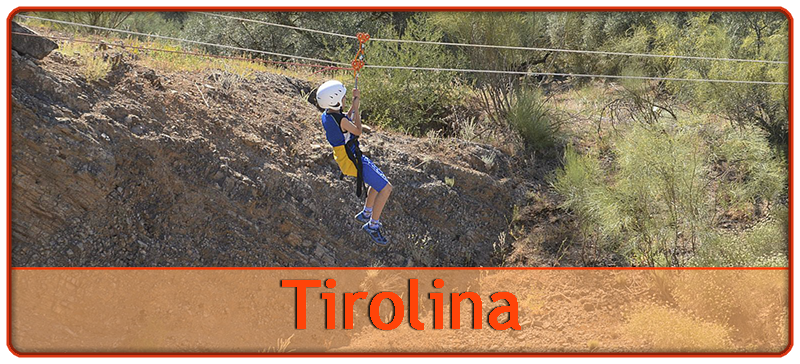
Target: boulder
pixel 37 47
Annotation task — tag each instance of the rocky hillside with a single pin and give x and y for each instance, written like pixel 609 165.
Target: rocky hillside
pixel 150 168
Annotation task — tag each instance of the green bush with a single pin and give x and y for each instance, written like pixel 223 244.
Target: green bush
pixel 764 245
pixel 763 36
pixel 657 199
pixel 106 19
pixel 494 90
pixel 531 116
pixel 652 205
pixel 254 35
pixel 752 174
pixel 409 100
pixel 165 24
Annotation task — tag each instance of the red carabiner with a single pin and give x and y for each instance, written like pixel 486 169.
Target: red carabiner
pixel 357 65
pixel 358 60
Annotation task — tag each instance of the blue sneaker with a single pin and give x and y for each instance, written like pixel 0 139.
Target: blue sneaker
pixel 362 217
pixel 375 234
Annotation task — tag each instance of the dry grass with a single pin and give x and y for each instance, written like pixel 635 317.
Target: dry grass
pixel 737 300
pixel 171 57
pixel 382 281
pixel 93 65
pixel 483 130
pixel 668 330
pixel 176 58
pixel 534 301
pixel 282 346
pixel 593 345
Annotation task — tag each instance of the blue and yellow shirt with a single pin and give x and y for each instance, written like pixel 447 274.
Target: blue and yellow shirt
pixel 338 138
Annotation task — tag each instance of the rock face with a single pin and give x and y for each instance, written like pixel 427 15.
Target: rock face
pixel 30 45
pixel 143 168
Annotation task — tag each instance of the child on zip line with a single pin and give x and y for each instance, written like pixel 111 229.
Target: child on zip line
pixel 342 132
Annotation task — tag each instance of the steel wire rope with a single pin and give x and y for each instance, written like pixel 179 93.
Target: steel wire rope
pixel 418 68
pixel 184 40
pixel 500 46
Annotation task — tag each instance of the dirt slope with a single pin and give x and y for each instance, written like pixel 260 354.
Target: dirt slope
pixel 147 168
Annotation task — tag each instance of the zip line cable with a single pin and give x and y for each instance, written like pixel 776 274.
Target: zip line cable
pixel 579 75
pixel 410 67
pixel 184 40
pixel 278 25
pixel 499 46
pixel 198 54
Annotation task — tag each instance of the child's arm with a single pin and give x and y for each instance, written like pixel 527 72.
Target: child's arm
pixel 353 127
pixel 354 106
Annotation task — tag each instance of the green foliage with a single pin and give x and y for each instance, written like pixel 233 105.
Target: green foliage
pixel 658 199
pixel 639 100
pixel 253 35
pixel 736 35
pixel 749 173
pixel 174 16
pixel 243 34
pixel 764 245
pixel 505 29
pixel 581 183
pixel 532 118
pixel 93 66
pixel 106 19
pixel 165 24
pixel 751 35
pixel 413 101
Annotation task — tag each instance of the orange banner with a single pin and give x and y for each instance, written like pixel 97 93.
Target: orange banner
pixel 248 311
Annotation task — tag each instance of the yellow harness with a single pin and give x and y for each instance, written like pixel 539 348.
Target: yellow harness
pixel 345 164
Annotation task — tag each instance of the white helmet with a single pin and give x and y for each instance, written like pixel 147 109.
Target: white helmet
pixel 330 94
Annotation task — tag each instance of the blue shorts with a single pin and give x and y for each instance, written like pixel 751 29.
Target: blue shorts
pixel 373 175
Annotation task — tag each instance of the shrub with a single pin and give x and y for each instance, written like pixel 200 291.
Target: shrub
pixel 106 19
pixel 532 118
pixel 762 35
pixel 165 24
pixel 252 35
pixel 748 171
pixel 93 67
pixel 654 206
pixel 764 245
pixel 657 199
pixel 494 90
pixel 580 183
pixel 409 100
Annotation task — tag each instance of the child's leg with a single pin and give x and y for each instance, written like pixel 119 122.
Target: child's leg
pixel 371 195
pixel 366 212
pixel 379 190
pixel 380 201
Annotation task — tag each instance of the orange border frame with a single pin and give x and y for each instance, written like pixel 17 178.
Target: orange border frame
pixel 9 268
